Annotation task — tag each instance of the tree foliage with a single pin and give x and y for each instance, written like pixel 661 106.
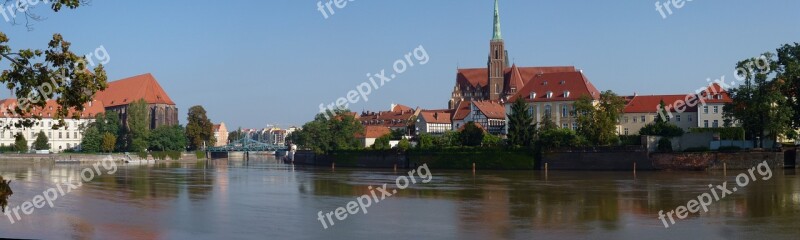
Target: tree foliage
pixel 425 141
pixel 92 140
pixel 168 138
pixel 138 125
pixel 559 137
pixel 597 123
pixel 20 142
pixel 521 129
pixel 787 70
pixel 57 73
pixel 109 142
pixel 758 104
pixel 324 135
pixel 199 129
pixel 41 142
pixel 471 135
pixel 404 145
pixel 382 143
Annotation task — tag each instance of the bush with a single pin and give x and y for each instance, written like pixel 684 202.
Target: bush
pixel 729 149
pixel 631 140
pixel 663 129
pixel 159 155
pixel 664 145
pixel 174 155
pixel 200 154
pixel 697 149
pixel 142 155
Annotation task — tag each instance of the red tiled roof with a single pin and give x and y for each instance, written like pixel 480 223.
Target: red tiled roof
pixel 650 104
pixel 49 111
pixel 479 77
pixel 401 108
pixel 387 119
pixel 515 78
pixel 436 116
pixel 374 132
pixel 125 91
pixel 574 83
pixel 713 90
pixel 492 110
pixel 461 111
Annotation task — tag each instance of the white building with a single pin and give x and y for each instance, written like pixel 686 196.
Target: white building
pixel 434 122
pixel 66 137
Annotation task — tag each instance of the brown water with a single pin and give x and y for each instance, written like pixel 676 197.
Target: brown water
pixel 264 199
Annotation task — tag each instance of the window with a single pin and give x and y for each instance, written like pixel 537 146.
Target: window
pixel 716 109
pixel 705 109
pixel 67 135
pixel 690 117
pixel 59 135
pixel 705 123
pixel 716 123
pixel 549 94
pixel 644 119
pixel 565 125
pixel 564 111
pixel 49 135
pixel 634 119
pixel 75 135
pixel 566 94
pixel 533 95
pixel 547 110
pixel 575 126
pixel 626 119
pixel 626 131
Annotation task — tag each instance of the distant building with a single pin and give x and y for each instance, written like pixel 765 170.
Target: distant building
pixel 372 133
pixel 554 95
pixel 706 112
pixel 490 115
pixel 398 117
pixel 67 137
pixel 119 94
pixel 220 134
pixel 434 122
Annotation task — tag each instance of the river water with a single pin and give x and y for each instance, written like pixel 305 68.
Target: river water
pixel 265 199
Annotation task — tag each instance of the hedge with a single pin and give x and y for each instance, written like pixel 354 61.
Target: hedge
pixel 725 133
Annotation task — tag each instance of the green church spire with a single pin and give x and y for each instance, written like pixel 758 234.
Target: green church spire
pixel 497 34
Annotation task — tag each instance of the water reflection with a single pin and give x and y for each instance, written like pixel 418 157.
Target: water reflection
pixel 237 199
pixel 5 191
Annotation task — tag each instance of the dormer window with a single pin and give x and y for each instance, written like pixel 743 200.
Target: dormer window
pixel 533 95
pixel 544 83
pixel 719 96
pixel 562 82
pixel 566 94
pixel 549 94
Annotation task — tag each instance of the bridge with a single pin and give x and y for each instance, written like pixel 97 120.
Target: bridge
pixel 246 145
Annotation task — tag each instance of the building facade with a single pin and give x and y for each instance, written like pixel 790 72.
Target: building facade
pixel 220 134
pixel 61 139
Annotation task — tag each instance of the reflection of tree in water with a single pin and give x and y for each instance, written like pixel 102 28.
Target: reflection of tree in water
pixel 5 191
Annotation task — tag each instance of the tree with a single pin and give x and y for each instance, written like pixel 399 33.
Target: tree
pixel 425 141
pixel 547 123
pixel 109 142
pixel 41 142
pixel 661 126
pixel 559 137
pixel 138 125
pixel 238 135
pixel 168 138
pixel 472 135
pixel 92 140
pixel 597 123
pixel 490 140
pixel 758 103
pixel 788 71
pixel 520 128
pixel 398 134
pixel 57 73
pixel 382 143
pixel 199 130
pixel 20 142
pixel 325 134
pixel 404 145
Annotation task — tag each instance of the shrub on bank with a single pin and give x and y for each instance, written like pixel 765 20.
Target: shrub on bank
pixel 484 158
pixel 664 145
pixel 200 154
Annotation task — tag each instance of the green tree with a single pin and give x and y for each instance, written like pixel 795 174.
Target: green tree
pixel 661 126
pixel 199 130
pixel 559 137
pixel 92 140
pixel 490 140
pixel 425 141
pixel 109 142
pixel 449 139
pixel 326 134
pixel 21 143
pixel 472 135
pixel 138 126
pixel 788 71
pixel 597 123
pixel 398 134
pixel 758 104
pixel 382 143
pixel 547 123
pixel 404 145
pixel 41 142
pixel 520 129
pixel 168 138
pixel 70 82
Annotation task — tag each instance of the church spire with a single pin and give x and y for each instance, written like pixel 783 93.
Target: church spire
pixel 497 34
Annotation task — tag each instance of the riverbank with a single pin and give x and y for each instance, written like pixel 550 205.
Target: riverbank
pixel 86 157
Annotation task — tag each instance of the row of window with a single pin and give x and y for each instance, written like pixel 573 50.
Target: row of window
pixel 61 135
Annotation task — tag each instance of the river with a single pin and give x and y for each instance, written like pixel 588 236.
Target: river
pixel 265 199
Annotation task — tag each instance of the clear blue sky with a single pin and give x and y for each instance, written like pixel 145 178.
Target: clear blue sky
pixel 252 63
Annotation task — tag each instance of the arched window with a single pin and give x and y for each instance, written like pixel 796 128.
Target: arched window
pixel 547 110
